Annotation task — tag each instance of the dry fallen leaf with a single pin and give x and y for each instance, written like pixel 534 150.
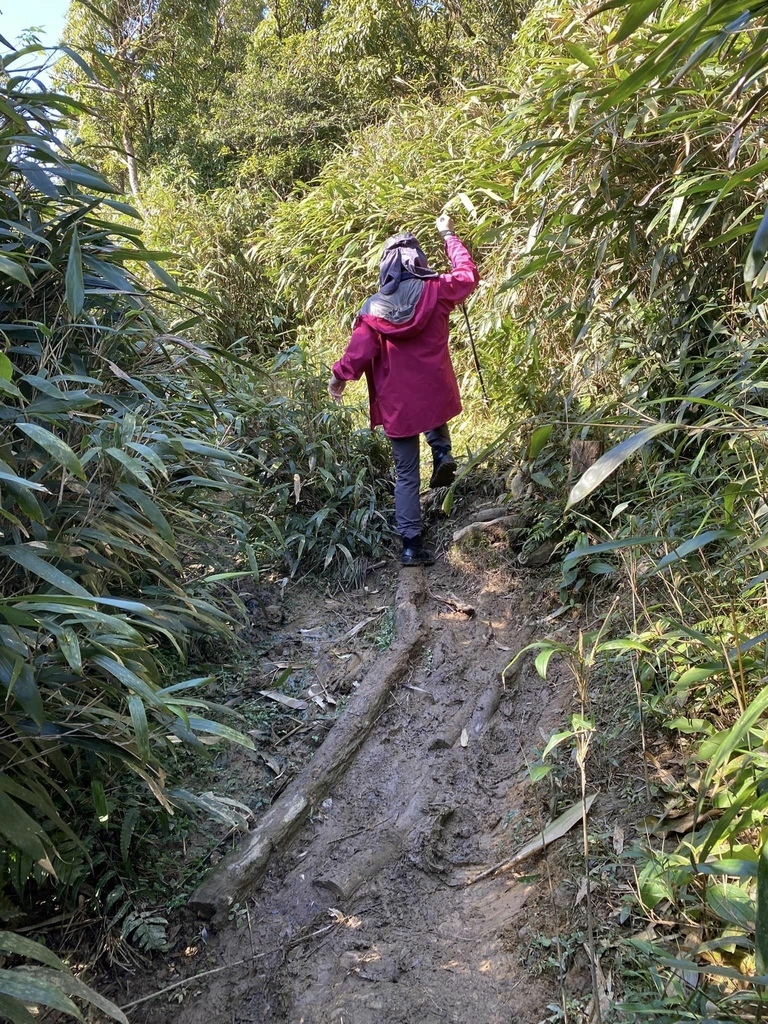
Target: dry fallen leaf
pixel 464 740
pixel 582 891
pixel 270 762
pixel 553 831
pixel 296 487
pixel 618 839
pixel 289 702
pixel 360 626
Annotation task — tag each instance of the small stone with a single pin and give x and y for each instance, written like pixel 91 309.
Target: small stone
pixel 539 556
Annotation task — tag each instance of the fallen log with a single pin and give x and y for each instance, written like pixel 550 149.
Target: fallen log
pixel 451 731
pixel 236 874
pixel 504 524
pixel 486 707
pixel 344 879
pixel 485 515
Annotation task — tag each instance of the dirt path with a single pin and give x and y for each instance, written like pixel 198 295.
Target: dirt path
pixel 365 918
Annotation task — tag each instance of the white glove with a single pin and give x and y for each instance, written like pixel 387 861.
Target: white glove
pixel 444 224
pixel 336 388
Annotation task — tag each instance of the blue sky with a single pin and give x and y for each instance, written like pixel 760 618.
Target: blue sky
pixel 17 15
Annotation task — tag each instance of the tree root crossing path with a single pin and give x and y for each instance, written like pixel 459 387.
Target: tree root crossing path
pixel 351 901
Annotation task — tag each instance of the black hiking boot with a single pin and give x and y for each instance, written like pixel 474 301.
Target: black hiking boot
pixel 414 552
pixel 444 469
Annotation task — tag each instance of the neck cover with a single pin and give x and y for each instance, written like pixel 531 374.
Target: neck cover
pixel 403 270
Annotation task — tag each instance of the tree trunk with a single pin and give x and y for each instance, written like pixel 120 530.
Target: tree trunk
pixel 130 162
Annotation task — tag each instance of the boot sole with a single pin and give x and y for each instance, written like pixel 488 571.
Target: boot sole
pixel 444 475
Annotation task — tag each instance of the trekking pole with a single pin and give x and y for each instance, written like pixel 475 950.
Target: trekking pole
pixel 474 353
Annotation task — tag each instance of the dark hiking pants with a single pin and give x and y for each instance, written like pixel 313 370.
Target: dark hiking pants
pixel 406 453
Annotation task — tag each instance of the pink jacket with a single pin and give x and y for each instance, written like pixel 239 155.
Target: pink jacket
pixel 411 383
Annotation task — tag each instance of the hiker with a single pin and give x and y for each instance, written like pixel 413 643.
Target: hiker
pixel 400 343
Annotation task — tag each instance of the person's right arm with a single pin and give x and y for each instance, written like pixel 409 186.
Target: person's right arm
pixel 359 354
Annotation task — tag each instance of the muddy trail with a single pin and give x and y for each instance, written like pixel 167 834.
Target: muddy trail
pixel 363 914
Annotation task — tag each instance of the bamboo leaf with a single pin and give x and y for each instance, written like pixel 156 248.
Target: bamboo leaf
pixel 100 804
pixel 21 830
pixel 18 481
pixel 761 919
pixel 129 679
pixel 543 659
pixel 580 53
pixel 639 12
pixel 205 725
pixel 134 467
pixel 72 986
pixel 10 942
pixel 610 462
pixel 55 447
pixel 758 250
pixel 24 555
pixel 126 832
pixel 74 292
pixel 37 178
pixel 140 727
pixel 14 270
pixel 15 1011
pixel 606 546
pixel 36 991
pixel 84 66
pixel 70 648
pixel 732 738
pixel 691 545
pixel 19 680
pixel 539 438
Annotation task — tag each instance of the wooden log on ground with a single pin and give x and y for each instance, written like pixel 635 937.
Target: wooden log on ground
pixel 451 731
pixel 489 700
pixel 504 524
pixel 343 880
pixel 235 875
pixel 486 707
pixel 486 515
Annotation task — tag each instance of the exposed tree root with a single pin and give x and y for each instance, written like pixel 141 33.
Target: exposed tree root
pixel 236 875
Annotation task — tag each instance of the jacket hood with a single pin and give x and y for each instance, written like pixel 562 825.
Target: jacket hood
pixel 410 328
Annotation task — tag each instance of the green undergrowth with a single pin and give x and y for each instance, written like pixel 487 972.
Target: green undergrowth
pixel 142 478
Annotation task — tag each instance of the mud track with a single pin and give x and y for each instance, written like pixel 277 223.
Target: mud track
pixel 363 915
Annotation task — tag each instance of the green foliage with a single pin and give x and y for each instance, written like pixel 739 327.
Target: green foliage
pixel 45 982
pixel 110 443
pixel 321 479
pixel 204 231
pixel 125 450
pixel 152 74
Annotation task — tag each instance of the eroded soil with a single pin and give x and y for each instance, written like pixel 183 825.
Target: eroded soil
pixel 365 917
